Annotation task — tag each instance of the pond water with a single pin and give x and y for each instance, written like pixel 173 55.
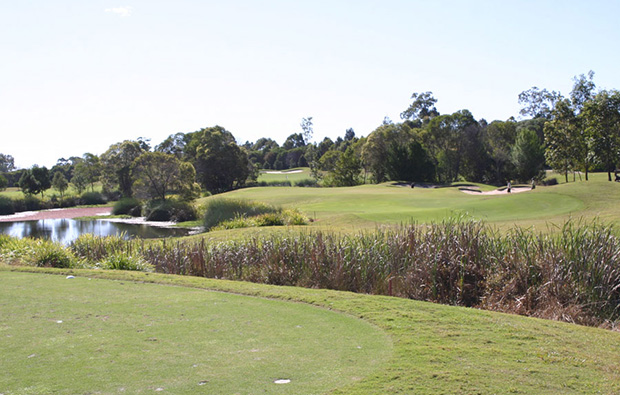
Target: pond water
pixel 66 230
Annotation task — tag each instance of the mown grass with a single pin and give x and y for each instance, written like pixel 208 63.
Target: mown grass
pixel 83 335
pixel 436 349
pixel 369 206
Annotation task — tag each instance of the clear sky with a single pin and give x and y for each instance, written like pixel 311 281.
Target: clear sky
pixel 77 76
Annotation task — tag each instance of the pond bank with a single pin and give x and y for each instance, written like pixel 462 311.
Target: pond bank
pixel 56 213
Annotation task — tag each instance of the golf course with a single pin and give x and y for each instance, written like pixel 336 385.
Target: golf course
pixel 73 330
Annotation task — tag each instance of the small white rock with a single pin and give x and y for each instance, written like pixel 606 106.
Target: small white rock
pixel 59 322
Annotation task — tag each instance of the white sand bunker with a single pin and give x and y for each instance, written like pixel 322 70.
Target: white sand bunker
pixel 284 172
pixel 474 190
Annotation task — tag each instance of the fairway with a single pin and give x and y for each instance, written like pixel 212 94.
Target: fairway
pixel 82 335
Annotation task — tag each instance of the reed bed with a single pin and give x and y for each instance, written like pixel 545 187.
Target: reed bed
pixel 570 275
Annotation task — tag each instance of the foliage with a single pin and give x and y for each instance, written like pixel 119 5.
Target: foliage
pixel 60 183
pixel 602 120
pixel 121 261
pixel 35 180
pixel 6 206
pixel 117 164
pixel 50 254
pixel 284 217
pixel 499 138
pixel 218 210
pixel 409 162
pixel 7 163
pixel 157 174
pixel 221 165
pixel 347 170
pixel 528 156
pixel 129 206
pixel 538 103
pixel 92 198
pixel 169 210
pixel 422 109
pixel 3 182
pixel 35 252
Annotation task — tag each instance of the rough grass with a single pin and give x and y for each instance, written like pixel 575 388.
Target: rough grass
pixel 436 349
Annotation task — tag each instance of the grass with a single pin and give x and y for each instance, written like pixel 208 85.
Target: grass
pixel 436 349
pixel 369 206
pixel 285 175
pixel 96 336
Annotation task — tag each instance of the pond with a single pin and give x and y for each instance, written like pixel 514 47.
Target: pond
pixel 66 230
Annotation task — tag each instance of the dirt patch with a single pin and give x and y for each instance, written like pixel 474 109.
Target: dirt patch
pixel 58 213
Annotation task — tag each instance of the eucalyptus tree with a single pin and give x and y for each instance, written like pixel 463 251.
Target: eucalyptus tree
pixel 117 164
pixel 602 119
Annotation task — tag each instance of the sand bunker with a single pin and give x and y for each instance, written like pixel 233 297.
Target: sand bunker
pixel 284 172
pixel 500 191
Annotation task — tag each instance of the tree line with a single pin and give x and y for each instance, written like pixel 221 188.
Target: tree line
pixel 572 134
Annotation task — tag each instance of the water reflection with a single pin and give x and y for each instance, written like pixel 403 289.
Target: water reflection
pixel 67 230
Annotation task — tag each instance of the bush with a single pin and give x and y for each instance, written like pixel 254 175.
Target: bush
pixel 32 203
pixel 92 198
pixel 308 182
pixel 170 210
pixel 550 181
pixel 68 201
pixel 51 254
pixel 128 206
pixel 285 217
pixel 6 206
pixel 119 261
pixel 220 210
pixel 95 248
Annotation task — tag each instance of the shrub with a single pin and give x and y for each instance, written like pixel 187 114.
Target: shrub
pixel 92 198
pixel 6 206
pixel 95 248
pixel 68 201
pixel 307 182
pixel 219 210
pixel 170 210
pixel 128 206
pixel 32 203
pixel 550 181
pixel 120 261
pixel 52 254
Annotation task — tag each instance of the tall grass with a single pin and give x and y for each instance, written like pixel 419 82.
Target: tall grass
pixel 572 276
pixel 220 210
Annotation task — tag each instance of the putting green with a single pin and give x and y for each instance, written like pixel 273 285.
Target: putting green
pixel 81 335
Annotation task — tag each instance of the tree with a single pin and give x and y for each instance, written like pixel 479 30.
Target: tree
pixel 499 138
pixel 35 180
pixel 295 140
pixel 173 145
pixel 538 103
pixel 117 164
pixel 422 109
pixel 528 156
pixel 347 170
pixel 602 120
pixel 79 180
pixel 7 163
pixel 561 138
pixel 221 165
pixel 3 182
pixel 306 126
pixel 60 183
pixel 158 173
pixel 409 162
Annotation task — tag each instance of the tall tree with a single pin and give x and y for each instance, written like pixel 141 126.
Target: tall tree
pixel 528 156
pixel 538 103
pixel 35 180
pixel 117 164
pixel 561 138
pixel 602 120
pixel 7 163
pixel 409 162
pixel 347 170
pixel 421 110
pixel 158 173
pixel 499 138
pixel 221 165
pixel 60 183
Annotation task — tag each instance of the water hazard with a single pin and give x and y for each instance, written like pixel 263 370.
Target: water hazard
pixel 66 230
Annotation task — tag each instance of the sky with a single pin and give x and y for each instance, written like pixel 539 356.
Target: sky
pixel 77 76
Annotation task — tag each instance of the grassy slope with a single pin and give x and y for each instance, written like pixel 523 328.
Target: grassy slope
pixel 96 336
pixel 367 206
pixel 443 349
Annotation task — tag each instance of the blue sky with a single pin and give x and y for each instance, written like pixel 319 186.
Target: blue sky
pixel 77 76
